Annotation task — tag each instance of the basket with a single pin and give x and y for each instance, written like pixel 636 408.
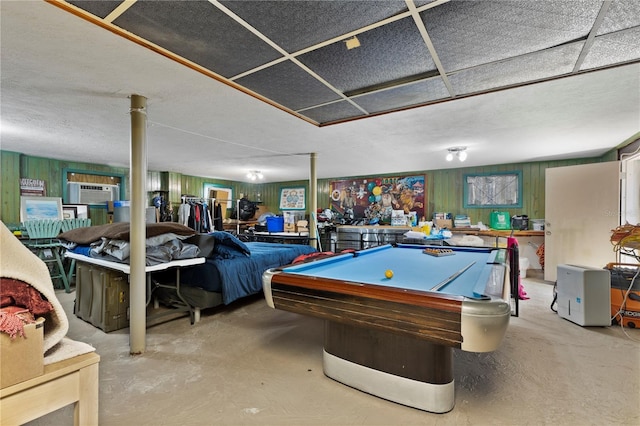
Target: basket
pixel 69 224
pixel 45 228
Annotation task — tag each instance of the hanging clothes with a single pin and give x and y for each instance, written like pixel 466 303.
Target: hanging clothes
pixel 194 213
pixel 217 217
pixel 183 214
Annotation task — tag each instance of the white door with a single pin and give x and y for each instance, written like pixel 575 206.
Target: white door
pixel 582 205
pixel 630 202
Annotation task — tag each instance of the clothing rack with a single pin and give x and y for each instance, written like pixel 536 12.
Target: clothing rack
pixel 192 198
pixel 201 224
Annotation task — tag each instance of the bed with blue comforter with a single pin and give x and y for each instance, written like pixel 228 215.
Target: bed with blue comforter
pixel 235 268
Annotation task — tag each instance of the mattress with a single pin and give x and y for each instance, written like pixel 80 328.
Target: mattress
pixel 241 276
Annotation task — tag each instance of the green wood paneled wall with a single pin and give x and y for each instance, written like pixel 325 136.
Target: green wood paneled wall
pixel 16 166
pixel 443 187
pixel 10 190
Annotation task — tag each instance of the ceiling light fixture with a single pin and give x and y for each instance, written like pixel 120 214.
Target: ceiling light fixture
pixel 352 43
pixel 458 151
pixel 255 175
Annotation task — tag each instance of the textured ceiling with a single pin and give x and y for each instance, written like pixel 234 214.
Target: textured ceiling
pixel 259 85
pixel 294 54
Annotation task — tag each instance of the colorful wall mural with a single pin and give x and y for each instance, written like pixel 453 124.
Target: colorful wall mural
pixel 375 199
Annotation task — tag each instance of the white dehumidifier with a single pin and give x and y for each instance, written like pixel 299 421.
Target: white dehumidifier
pixel 584 295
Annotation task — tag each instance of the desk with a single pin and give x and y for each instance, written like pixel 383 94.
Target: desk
pixel 394 338
pixel 72 381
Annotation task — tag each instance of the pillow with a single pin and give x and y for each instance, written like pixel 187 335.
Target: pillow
pixel 206 244
pixel 226 240
pixel 226 252
pixel 121 231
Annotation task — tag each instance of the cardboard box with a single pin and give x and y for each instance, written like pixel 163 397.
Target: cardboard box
pixel 260 211
pixel 444 223
pixel 289 227
pixel 22 358
pixel 443 220
pixel 302 226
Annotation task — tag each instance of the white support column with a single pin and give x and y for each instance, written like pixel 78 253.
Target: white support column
pixel 138 177
pixel 313 200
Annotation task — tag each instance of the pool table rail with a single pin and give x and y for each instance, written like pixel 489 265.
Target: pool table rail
pixel 445 319
pixel 434 320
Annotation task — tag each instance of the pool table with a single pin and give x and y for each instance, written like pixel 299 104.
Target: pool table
pixel 394 337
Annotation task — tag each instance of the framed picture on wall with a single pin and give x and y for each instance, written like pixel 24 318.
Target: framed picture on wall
pixel 293 199
pixel 69 212
pixel 493 190
pixel 38 208
pixel 81 210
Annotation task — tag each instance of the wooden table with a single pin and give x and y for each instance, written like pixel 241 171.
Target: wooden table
pixel 72 381
pixel 497 233
pixel 238 225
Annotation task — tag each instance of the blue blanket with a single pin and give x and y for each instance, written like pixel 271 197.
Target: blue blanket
pixel 241 275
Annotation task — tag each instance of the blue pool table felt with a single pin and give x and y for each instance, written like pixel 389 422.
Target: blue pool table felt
pixel 412 269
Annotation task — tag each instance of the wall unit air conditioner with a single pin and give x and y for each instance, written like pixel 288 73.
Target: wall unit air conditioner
pixel 92 193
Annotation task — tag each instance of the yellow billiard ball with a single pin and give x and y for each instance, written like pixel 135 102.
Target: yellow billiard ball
pixel 388 273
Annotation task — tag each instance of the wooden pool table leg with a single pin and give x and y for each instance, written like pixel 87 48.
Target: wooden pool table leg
pixel 399 368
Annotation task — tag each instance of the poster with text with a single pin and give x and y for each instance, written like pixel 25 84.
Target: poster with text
pixel 33 187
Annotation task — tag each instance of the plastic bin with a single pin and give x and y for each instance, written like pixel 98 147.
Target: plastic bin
pixel 275 224
pixel 538 224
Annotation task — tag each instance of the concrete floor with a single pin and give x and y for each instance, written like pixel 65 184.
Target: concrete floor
pixel 247 364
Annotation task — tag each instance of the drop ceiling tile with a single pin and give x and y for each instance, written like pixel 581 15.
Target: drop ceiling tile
pixel 470 33
pixel 417 93
pixel 620 15
pixel 521 70
pixel 420 3
pixel 389 52
pixel 289 85
pixel 295 25
pixel 332 112
pixel 199 32
pixel 98 8
pixel 621 46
